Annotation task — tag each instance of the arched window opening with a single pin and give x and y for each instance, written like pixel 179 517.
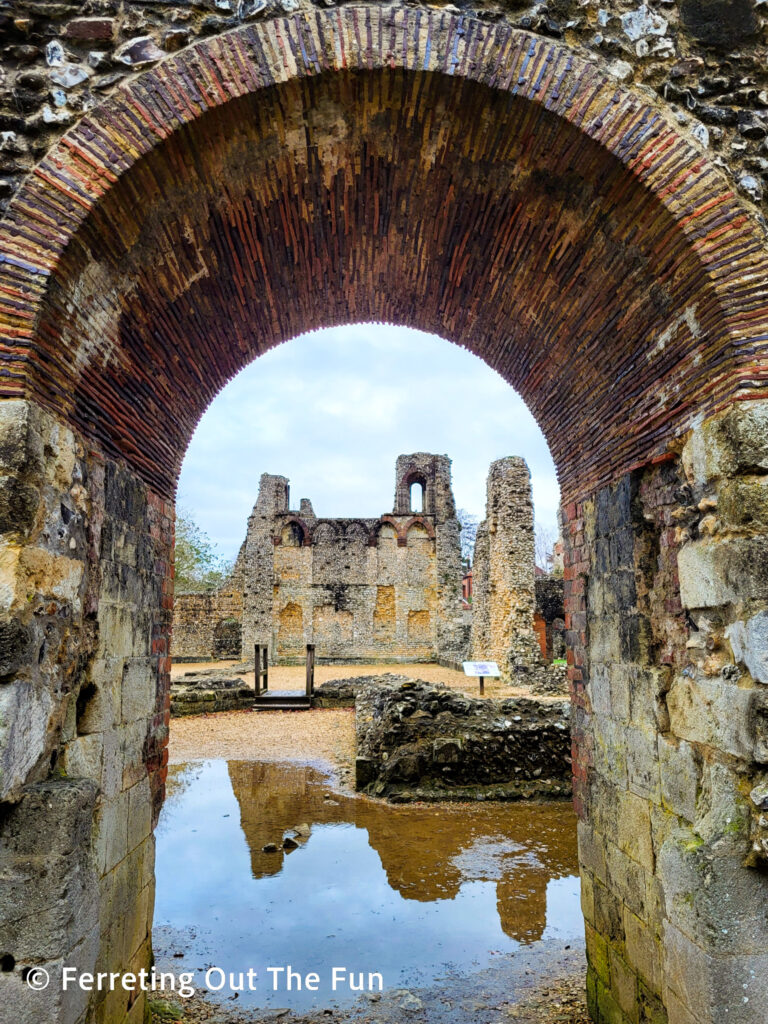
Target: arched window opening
pixel 417 497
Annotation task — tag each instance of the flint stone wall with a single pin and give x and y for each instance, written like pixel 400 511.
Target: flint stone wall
pixel 704 58
pixel 208 625
pixel 504 598
pixel 360 590
pixel 418 741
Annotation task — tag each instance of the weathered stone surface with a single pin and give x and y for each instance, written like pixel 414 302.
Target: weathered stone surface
pixel 503 575
pixel 208 692
pixel 749 641
pixel 416 741
pixel 360 590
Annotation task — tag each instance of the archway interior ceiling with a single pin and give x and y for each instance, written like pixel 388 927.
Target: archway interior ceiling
pixel 402 197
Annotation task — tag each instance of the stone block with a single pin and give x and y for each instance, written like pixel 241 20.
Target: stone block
pixel 591 851
pixel 743 503
pixel 712 898
pixel 643 764
pixel 749 643
pixel 139 813
pixel 634 830
pixel 627 881
pixel 623 985
pixel 112 832
pixel 719 571
pixel 139 689
pixel 680 777
pixel 716 987
pixel 713 712
pixel 597 955
pixel 587 898
pixel 25 711
pixel 21 443
pixel 608 910
pixel 643 950
pixel 610 751
pixel 83 757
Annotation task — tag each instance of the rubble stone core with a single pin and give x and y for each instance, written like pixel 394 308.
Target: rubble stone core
pixel 503 574
pixel 423 167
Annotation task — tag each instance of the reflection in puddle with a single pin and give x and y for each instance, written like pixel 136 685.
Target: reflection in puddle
pixel 412 892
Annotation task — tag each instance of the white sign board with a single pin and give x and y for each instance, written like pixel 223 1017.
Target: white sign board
pixel 481 668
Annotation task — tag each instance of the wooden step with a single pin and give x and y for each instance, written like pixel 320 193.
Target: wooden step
pixel 290 700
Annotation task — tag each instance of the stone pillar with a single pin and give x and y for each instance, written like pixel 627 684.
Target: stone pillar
pixel 505 600
pixel 670 729
pixel 259 561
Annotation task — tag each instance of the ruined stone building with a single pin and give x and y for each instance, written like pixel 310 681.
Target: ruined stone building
pixel 577 194
pixel 361 590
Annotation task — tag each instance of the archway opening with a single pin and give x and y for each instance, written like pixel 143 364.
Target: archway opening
pixel 353 571
pixel 506 196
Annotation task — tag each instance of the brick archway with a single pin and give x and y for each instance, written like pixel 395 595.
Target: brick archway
pixel 471 180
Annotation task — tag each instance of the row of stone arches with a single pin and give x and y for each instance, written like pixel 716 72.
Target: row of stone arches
pixel 297 532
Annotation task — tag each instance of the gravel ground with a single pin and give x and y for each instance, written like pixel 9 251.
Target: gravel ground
pixel 479 1000
pixel 322 736
pixel 292 677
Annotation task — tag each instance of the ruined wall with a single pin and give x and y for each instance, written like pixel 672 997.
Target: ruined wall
pixel 83 713
pixel 704 58
pixel 361 590
pixel 207 625
pixel 670 726
pixel 503 574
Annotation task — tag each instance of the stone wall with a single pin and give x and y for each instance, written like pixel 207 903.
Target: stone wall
pixel 670 728
pixel 703 58
pixel 417 741
pixel 207 625
pixel 360 590
pixel 83 714
pixel 504 597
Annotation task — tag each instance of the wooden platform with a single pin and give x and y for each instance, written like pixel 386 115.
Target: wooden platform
pixel 282 700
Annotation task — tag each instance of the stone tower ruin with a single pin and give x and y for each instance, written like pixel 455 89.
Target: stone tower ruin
pixel 503 574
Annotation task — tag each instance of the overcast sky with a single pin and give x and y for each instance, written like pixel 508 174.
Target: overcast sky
pixel 332 411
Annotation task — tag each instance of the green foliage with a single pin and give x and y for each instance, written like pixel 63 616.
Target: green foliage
pixel 200 567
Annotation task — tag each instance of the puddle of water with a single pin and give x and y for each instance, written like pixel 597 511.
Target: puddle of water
pixel 413 893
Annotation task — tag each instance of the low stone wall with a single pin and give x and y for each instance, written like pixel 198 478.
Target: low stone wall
pixel 417 741
pixel 207 626
pixel 199 693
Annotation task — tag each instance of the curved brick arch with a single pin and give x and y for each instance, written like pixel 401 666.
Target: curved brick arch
pixel 543 217
pixel 306 532
pixel 697 231
pixel 419 521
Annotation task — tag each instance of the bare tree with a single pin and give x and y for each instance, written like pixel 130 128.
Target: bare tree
pixel 544 543
pixel 469 524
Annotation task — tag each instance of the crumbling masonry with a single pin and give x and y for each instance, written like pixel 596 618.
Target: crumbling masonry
pixel 360 590
pixel 503 575
pixel 571 193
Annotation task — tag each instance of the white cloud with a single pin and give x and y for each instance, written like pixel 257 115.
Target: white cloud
pixel 333 409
